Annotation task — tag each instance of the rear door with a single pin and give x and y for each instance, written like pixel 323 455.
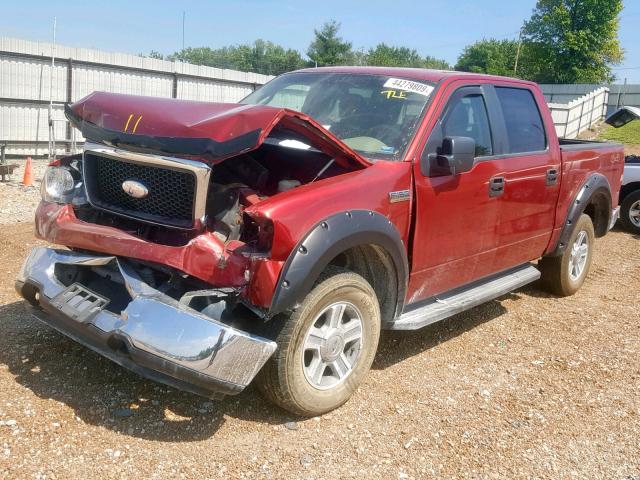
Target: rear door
pixel 531 170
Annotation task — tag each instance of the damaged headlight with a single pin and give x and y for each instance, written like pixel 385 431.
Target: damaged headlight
pixel 63 184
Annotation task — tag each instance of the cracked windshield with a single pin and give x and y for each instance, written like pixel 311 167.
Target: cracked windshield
pixel 375 115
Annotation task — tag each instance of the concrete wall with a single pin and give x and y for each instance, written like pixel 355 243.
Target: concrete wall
pixel 27 81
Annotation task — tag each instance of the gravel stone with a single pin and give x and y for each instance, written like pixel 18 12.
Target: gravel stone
pixel 17 202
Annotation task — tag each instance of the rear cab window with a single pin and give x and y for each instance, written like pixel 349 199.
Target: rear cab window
pixel 523 122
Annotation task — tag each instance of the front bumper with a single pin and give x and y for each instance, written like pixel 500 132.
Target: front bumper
pixel 155 335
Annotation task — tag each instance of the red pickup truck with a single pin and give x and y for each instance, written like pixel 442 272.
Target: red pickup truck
pixel 208 244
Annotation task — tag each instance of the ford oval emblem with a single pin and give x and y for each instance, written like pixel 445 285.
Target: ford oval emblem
pixel 135 189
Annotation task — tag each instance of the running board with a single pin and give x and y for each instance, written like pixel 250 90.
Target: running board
pixel 451 303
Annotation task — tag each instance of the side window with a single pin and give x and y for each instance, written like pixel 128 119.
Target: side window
pixel 525 130
pixel 467 117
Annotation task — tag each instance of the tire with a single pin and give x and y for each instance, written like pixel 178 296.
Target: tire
pixel 629 212
pixel 293 378
pixel 560 275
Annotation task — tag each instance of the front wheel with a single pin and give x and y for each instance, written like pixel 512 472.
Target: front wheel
pixel 565 274
pixel 325 347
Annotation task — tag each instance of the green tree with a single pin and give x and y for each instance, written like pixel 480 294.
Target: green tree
pixel 271 59
pixel 327 48
pixel 495 57
pixel 261 57
pixel 573 41
pixel 384 55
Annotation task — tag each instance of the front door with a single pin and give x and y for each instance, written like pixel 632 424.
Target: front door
pixel 456 215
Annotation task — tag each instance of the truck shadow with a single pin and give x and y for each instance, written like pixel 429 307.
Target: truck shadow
pixel 620 229
pixel 104 394
pixel 396 346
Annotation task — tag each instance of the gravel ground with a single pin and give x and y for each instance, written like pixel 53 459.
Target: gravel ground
pixel 527 386
pixel 17 202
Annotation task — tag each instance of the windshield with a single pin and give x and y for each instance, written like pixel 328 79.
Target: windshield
pixel 373 114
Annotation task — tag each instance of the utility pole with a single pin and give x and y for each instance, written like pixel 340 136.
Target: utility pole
pixel 184 14
pixel 515 66
pixel 52 131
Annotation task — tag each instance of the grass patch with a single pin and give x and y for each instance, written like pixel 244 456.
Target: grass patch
pixel 629 134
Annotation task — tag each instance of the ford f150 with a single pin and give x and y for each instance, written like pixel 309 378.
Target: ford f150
pixel 211 244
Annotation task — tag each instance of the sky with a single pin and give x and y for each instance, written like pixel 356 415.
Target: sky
pixel 440 28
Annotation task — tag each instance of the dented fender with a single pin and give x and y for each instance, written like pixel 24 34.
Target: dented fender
pixel 296 213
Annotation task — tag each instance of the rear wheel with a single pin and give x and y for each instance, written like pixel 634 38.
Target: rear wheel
pixel 325 347
pixel 565 274
pixel 630 212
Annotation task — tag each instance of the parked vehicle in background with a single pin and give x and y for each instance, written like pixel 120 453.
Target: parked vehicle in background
pixel 630 191
pixel 213 243
pixel 630 195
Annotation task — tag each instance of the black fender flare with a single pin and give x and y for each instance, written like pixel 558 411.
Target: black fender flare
pixel 595 184
pixel 326 240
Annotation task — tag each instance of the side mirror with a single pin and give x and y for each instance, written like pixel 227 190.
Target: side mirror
pixel 457 155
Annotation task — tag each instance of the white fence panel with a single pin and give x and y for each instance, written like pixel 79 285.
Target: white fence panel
pixel 90 79
pixel 578 115
pixel 28 124
pixel 627 94
pixel 31 79
pixel 208 91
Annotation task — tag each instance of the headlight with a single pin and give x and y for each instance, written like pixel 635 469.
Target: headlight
pixel 58 185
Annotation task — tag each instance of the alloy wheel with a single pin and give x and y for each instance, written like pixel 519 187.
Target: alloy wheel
pixel 579 255
pixel 332 345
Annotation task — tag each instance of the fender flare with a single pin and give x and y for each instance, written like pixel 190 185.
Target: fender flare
pixel 596 183
pixel 326 240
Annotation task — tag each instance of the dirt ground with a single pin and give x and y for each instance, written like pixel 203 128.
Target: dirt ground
pixel 632 149
pixel 527 386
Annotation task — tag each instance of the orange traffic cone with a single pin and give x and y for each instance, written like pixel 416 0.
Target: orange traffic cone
pixel 27 180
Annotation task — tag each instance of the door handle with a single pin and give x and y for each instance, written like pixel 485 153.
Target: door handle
pixel 552 177
pixel 496 186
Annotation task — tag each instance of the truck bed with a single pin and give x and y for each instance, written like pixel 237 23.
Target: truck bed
pixel 580 156
pixel 576 144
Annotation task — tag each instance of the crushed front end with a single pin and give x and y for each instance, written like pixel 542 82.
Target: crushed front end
pixel 169 269
pixel 101 302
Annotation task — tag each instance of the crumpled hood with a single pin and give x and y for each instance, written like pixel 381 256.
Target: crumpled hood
pixel 210 131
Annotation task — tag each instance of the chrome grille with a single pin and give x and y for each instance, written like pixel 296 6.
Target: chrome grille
pixel 172 188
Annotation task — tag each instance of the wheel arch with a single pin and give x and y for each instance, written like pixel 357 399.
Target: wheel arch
pixel 364 241
pixel 594 199
pixel 628 189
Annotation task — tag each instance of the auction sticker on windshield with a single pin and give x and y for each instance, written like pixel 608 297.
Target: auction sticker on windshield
pixel 409 86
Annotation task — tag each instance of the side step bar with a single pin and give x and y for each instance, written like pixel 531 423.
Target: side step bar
pixel 459 300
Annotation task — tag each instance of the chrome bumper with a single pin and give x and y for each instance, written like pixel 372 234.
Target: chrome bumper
pixel 154 335
pixel 615 216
